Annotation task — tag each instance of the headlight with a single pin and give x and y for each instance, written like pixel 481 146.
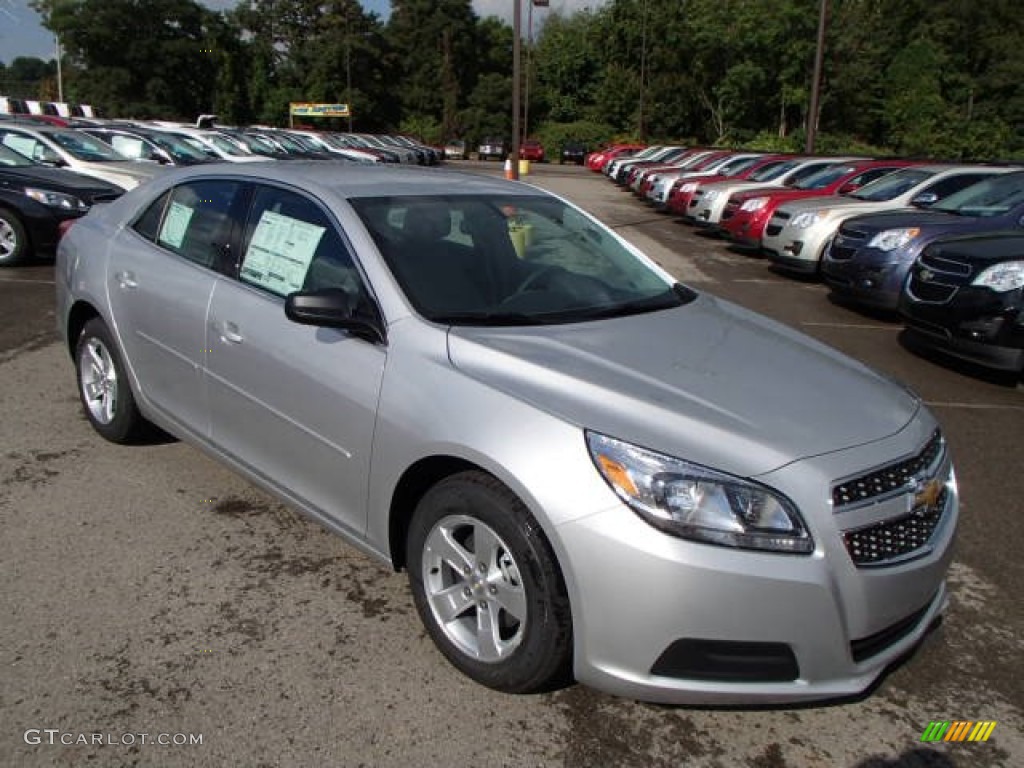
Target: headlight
pixel 807 219
pixel 710 196
pixel 754 204
pixel 688 187
pixel 694 502
pixel 56 199
pixel 891 239
pixel 1008 276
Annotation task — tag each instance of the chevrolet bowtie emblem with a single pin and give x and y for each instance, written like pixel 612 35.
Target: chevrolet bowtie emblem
pixel 926 495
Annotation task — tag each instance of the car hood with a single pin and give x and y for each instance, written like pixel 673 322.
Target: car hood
pixel 709 382
pixel 56 179
pixel 846 203
pixel 127 174
pixel 927 220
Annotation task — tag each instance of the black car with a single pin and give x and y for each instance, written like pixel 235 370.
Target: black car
pixel 573 152
pixel 140 143
pixel 35 199
pixel 965 298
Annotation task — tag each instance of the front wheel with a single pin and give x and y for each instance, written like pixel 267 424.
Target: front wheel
pixel 487 586
pixel 13 239
pixel 103 386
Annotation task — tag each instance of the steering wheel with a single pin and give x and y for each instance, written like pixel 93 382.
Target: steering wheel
pixel 534 278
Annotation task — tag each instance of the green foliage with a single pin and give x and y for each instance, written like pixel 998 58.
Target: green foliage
pixel 553 135
pixel 930 78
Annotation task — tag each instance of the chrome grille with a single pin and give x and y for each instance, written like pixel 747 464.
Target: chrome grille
pixel 888 479
pixel 929 292
pixel 895 538
pixel 944 265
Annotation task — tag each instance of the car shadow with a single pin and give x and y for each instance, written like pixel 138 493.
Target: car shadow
pixel 879 314
pixel 1006 379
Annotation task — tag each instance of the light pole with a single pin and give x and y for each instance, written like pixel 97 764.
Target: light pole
pixel 348 74
pixel 819 56
pixel 60 78
pixel 517 23
pixel 643 70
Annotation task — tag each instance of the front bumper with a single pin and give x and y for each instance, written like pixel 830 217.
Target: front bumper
pixel 977 325
pixel 765 628
pixel 798 250
pixel 868 276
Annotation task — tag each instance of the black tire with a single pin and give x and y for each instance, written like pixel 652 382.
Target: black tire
pixel 103 386
pixel 461 514
pixel 14 245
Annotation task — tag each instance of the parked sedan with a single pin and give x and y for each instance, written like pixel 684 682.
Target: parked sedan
pixel 145 144
pixel 869 259
pixel 76 151
pixel 582 465
pixel 798 232
pixel 35 199
pixel 965 298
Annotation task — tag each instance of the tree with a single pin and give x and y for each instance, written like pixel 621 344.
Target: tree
pixel 157 55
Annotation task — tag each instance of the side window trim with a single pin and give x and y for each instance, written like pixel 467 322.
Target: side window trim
pixel 241 203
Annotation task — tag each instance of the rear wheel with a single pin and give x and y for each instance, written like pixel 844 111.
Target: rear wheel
pixel 13 239
pixel 103 386
pixel 487 585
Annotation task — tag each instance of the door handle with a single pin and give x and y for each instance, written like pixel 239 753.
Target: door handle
pixel 126 279
pixel 229 332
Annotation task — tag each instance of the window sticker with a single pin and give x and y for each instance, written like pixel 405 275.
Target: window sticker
pixel 175 224
pixel 280 252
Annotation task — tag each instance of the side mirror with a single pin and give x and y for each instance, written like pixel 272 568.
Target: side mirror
pixel 925 198
pixel 848 188
pixel 334 308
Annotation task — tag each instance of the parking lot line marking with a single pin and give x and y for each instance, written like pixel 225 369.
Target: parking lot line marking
pixel 20 280
pixel 866 326
pixel 975 406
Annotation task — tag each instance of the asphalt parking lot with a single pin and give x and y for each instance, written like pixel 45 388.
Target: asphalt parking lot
pixel 147 590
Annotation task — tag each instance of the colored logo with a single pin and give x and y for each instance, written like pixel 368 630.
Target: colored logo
pixel 958 730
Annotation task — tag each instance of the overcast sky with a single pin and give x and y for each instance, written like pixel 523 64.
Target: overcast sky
pixel 22 34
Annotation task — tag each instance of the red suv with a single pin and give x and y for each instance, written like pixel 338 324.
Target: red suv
pixel 747 212
pixel 532 150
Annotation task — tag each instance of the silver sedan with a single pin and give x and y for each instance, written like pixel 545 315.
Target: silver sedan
pixel 585 468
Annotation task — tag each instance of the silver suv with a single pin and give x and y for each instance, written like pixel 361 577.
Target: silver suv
pixel 585 467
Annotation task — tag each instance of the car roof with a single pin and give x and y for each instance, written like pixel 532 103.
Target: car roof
pixel 355 180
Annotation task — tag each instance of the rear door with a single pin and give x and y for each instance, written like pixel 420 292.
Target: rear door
pixel 160 278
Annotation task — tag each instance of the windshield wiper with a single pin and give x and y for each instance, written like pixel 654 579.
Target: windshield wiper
pixel 490 319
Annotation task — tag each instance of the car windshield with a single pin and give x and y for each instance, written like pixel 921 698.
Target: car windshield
pixel 893 185
pixel 773 170
pixel 11 159
pixel 85 147
pixel 992 197
pixel 176 148
pixel 736 166
pixel 510 260
pixel 824 177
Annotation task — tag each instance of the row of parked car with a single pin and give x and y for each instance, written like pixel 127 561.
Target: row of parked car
pixel 942 244
pixel 51 173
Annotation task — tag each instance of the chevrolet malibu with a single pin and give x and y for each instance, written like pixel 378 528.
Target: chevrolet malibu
pixel 585 468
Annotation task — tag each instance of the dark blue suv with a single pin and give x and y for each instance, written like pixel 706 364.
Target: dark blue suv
pixel 871 255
